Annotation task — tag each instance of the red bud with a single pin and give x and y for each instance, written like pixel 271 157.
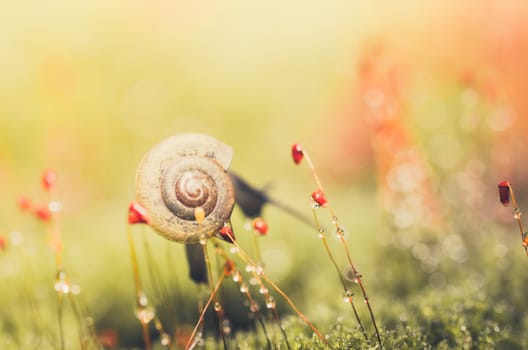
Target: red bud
pixel 137 214
pixel 48 179
pixel 43 213
pixel 260 226
pixel 297 153
pixel 24 203
pixel 226 233
pixel 319 197
pixel 504 193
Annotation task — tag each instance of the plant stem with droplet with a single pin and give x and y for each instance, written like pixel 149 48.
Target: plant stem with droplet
pixel 137 282
pixel 347 294
pixel 247 259
pixel 517 214
pixel 219 311
pixel 340 235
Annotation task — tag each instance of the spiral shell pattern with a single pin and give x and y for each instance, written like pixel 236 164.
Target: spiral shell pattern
pixel 180 175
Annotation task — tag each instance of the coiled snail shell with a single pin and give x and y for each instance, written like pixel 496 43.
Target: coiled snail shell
pixel 182 176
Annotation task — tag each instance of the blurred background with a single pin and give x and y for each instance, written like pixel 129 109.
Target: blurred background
pixel 412 114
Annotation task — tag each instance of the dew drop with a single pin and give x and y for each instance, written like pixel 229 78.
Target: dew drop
pixel 76 289
pixel 203 239
pixel 217 306
pixel 54 206
pixel 61 283
pixel 244 287
pixel 263 290
pixel 145 314
pixel 142 300
pixel 165 339
pixel 517 213
pixel 16 238
pixel 347 296
pixel 259 270
pixel 199 340
pixel 236 276
pixel 226 326
pixel 270 302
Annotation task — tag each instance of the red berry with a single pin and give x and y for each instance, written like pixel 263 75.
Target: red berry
pixel 319 197
pixel 43 213
pixel 137 214
pixel 226 233
pixel 297 153
pixel 504 193
pixel 48 179
pixel 24 203
pixel 260 226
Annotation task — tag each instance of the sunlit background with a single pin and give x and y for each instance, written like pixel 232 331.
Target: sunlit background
pixel 411 112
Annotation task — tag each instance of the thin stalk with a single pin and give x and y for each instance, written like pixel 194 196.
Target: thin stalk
pixel 137 282
pixel 517 215
pixel 56 245
pixel 346 294
pixel 214 294
pixel 202 314
pixel 78 318
pixel 60 319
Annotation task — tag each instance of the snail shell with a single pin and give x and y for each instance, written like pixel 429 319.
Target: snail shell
pixel 181 174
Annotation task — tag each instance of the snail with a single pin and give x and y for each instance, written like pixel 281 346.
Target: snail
pixel 183 185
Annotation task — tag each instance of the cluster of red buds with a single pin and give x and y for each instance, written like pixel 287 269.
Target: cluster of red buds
pixel 42 211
